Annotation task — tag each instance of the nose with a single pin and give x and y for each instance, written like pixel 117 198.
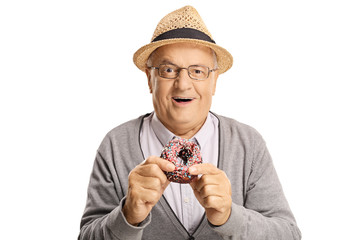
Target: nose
pixel 183 81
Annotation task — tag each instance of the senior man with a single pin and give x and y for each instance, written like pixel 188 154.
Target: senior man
pixel 237 194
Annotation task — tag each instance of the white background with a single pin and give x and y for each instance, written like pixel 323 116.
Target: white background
pixel 67 78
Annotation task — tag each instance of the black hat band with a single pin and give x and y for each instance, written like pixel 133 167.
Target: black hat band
pixel 184 33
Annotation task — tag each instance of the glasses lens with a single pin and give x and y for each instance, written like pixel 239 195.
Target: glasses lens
pixel 198 72
pixel 168 71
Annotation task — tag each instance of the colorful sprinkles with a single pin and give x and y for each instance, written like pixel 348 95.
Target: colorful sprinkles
pixel 183 154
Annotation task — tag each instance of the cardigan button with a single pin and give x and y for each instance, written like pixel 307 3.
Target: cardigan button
pixel 191 238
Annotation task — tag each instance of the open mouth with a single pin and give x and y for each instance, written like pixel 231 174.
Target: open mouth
pixel 182 100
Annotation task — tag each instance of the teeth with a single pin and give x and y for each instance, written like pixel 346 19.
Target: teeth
pixel 182 98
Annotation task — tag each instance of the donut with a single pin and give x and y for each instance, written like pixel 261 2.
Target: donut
pixel 183 154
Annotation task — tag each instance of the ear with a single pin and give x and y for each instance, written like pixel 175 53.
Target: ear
pixel 148 75
pixel 216 75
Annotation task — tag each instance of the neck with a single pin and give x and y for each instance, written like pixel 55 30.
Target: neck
pixel 183 130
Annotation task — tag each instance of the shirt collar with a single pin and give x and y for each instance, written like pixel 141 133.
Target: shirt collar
pixel 161 132
pixel 164 135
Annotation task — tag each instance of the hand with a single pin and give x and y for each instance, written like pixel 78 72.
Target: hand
pixel 147 182
pixel 213 191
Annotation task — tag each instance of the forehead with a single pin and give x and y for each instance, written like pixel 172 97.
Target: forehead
pixel 183 53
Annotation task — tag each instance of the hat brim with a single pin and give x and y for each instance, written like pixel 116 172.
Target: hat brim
pixel 224 58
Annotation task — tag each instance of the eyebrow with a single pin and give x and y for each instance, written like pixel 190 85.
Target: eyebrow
pixel 166 61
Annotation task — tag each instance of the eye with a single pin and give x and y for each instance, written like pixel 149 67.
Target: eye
pixel 198 71
pixel 168 70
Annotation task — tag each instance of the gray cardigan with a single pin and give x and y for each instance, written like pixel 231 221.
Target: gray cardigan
pixel 259 208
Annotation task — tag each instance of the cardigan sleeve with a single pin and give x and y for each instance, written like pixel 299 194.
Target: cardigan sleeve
pixel 266 213
pixel 103 217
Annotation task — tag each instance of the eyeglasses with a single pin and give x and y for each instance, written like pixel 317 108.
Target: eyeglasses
pixel 196 72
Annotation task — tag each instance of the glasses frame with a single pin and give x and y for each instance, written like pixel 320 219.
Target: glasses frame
pixel 187 69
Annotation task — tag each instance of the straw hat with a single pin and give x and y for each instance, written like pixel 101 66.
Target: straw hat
pixel 182 25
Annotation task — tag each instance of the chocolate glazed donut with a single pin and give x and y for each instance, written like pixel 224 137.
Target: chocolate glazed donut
pixel 183 154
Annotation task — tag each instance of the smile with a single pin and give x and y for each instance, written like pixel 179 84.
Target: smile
pixel 182 99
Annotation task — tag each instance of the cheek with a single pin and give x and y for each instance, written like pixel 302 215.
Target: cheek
pixel 208 100
pixel 206 93
pixel 160 92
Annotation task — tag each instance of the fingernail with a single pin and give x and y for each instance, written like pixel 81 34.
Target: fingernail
pixel 193 170
pixel 171 166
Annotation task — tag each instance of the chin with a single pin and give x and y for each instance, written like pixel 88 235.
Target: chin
pixel 188 118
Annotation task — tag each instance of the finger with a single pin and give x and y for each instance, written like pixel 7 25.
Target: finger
pixel 150 170
pixel 209 201
pixel 165 185
pixel 207 180
pixel 152 183
pixel 204 168
pixel 151 173
pixel 162 163
pixel 198 197
pixel 140 173
pixel 145 195
pixel 193 183
pixel 211 190
pixel 214 202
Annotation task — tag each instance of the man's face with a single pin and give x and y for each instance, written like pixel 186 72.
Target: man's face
pixel 172 110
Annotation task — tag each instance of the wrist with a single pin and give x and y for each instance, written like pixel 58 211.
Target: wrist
pixel 128 214
pixel 220 219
